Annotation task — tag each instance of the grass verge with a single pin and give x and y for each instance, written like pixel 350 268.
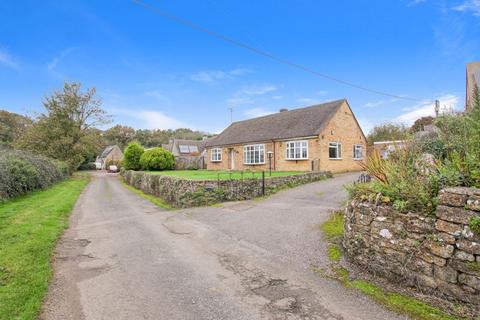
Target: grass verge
pixel 153 199
pixel 333 230
pixel 29 228
pixel 222 175
pixel 333 227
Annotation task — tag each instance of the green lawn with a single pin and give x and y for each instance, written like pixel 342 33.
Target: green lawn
pixel 29 228
pixel 223 175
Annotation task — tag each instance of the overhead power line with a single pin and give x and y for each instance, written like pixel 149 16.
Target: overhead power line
pixel 267 54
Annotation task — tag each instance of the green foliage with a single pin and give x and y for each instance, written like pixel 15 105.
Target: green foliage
pixel 334 252
pixel 67 130
pixel 12 127
pixel 388 132
pixel 413 307
pixel 410 181
pixel 22 172
pixel 132 155
pixel 29 229
pixel 419 124
pixel 119 135
pixel 333 227
pixel 118 163
pixel 87 166
pixel 474 224
pixel 157 159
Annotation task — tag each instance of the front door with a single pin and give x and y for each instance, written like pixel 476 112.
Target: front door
pixel 232 159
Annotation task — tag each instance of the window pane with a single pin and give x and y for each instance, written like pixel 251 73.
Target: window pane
pixel 332 152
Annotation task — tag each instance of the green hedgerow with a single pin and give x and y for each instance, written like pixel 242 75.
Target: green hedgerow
pixel 157 159
pixel 22 172
pixel 131 156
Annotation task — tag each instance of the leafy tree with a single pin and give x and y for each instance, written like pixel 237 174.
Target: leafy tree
pixel 119 135
pixel 157 159
pixel 420 124
pixel 132 155
pixel 388 132
pixel 66 131
pixel 12 127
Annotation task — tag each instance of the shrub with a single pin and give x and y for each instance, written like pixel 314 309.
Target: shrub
pixel 131 158
pixel 157 159
pixel 21 172
pixel 87 166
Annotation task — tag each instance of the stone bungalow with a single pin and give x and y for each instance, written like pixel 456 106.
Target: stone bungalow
pixel 323 137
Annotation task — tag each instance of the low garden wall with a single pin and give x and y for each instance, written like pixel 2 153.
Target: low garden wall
pixel 182 193
pixel 439 254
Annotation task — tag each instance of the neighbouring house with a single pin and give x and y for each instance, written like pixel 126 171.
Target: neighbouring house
pixel 110 153
pixel 323 137
pixel 473 79
pixel 189 154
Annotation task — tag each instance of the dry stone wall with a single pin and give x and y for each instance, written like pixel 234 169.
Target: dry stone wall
pixel 182 193
pixel 439 254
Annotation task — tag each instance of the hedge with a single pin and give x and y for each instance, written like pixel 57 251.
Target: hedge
pixel 22 172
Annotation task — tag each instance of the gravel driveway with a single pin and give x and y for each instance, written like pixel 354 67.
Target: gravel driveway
pixel 124 258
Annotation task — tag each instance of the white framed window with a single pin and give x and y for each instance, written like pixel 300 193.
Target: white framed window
pixel 254 154
pixel 297 150
pixel 357 152
pixel 335 150
pixel 216 155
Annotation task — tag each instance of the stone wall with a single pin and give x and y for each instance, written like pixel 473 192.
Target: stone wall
pixel 182 193
pixel 438 254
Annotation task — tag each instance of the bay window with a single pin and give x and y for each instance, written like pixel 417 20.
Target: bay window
pixel 254 154
pixel 297 150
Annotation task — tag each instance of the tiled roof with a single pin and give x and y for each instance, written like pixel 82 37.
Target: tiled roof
pixel 303 122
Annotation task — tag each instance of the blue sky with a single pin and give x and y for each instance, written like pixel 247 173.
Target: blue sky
pixel 154 73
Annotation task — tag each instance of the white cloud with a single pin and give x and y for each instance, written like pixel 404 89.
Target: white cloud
pixel 7 60
pixel 322 93
pixel 366 125
pixel 307 101
pixel 158 120
pixel 415 2
pixel 211 76
pixel 147 118
pixel 277 97
pixel 378 103
pixel 257 112
pixel 157 95
pixel 258 90
pixel 447 103
pixel 237 101
pixel 472 6
pixel 53 64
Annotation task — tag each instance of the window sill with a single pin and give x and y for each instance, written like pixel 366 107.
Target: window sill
pixel 254 164
pixel 216 161
pixel 335 159
pixel 358 159
pixel 299 159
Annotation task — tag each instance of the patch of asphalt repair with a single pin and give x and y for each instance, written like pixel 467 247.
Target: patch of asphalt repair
pixel 125 258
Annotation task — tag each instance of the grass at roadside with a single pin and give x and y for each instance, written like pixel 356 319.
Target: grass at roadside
pixel 222 175
pixel 333 230
pixel 333 227
pixel 29 228
pixel 155 200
